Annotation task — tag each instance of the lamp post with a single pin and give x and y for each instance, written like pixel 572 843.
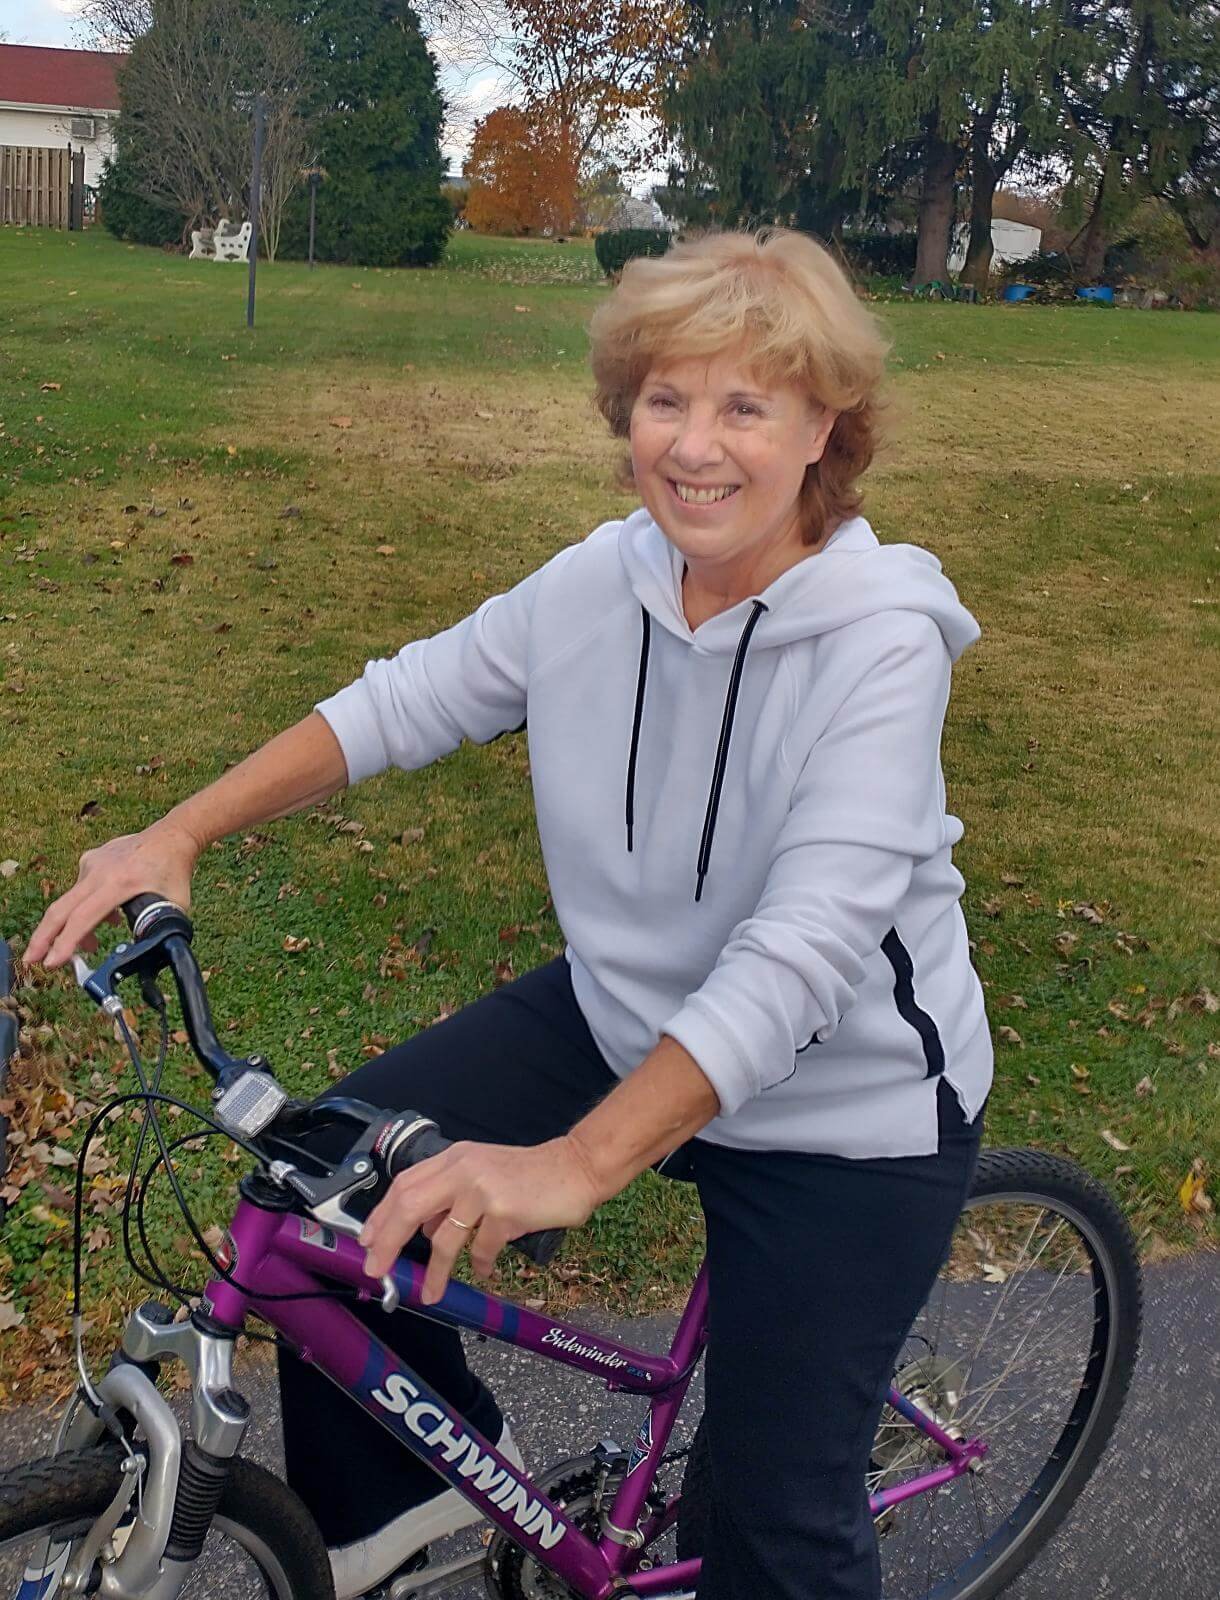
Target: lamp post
pixel 314 176
pixel 256 196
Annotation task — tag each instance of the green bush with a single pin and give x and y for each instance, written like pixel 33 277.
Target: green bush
pixel 617 247
pixel 379 115
pixel 883 255
pixel 128 215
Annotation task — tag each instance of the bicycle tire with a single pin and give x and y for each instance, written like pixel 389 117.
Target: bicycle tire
pixel 256 1509
pixel 1027 1177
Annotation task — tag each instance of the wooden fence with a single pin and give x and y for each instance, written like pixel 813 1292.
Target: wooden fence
pixel 41 188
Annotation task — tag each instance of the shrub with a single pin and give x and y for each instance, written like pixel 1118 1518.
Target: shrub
pixel 129 215
pixel 373 92
pixel 884 255
pixel 614 250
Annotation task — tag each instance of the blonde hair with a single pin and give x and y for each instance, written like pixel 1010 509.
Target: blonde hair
pixel 783 297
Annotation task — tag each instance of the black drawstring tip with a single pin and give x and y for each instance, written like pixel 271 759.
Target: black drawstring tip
pixel 628 838
pixel 699 888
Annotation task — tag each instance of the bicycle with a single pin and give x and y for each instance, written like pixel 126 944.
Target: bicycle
pixel 995 1418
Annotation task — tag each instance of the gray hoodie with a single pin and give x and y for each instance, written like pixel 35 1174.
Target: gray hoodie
pixel 743 826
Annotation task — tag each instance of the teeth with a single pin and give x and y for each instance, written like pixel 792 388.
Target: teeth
pixel 704 497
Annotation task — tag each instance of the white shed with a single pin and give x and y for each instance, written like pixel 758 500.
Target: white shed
pixel 51 98
pixel 1010 241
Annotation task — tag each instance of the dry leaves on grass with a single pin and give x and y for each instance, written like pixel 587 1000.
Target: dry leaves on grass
pixel 1193 1195
pixel 1113 1140
pixel 1009 1035
pixel 10 1317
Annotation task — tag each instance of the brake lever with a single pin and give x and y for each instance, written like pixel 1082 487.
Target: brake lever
pixel 325 1197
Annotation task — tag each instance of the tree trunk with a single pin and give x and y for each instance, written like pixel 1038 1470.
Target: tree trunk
pixel 984 180
pixel 1092 256
pixel 935 209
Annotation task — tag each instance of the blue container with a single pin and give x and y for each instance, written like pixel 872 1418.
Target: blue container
pixel 1019 291
pixel 1100 292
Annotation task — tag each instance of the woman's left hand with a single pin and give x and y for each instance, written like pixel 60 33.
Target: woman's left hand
pixel 497 1191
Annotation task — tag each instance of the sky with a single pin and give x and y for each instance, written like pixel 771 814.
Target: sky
pixel 56 22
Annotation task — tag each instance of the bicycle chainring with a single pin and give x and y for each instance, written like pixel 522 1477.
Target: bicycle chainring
pixel 511 1573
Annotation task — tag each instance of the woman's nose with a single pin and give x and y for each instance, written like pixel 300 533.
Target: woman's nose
pixel 696 444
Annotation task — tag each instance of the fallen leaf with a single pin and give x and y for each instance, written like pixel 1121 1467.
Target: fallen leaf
pixel 1113 1140
pixel 182 558
pixel 97 1238
pixel 1017 1002
pixel 1009 1035
pixel 994 1273
pixel 340 422
pixel 385 550
pixel 8 868
pixel 10 1317
pixel 411 836
pixel 1080 1073
pixel 1088 912
pixel 294 945
pixel 485 416
pixel 1144 1088
pixel 89 808
pixel 1192 1193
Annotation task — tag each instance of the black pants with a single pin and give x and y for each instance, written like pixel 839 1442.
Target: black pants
pixel 817 1268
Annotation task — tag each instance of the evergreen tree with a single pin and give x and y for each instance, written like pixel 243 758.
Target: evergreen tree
pixel 743 108
pixel 379 117
pixel 940 91
pixel 1149 107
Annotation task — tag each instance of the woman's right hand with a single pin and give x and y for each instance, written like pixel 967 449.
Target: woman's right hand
pixel 160 860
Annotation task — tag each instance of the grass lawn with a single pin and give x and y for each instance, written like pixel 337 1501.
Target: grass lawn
pixel 202 531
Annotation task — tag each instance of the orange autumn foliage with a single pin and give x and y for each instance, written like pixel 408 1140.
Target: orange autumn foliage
pixel 523 174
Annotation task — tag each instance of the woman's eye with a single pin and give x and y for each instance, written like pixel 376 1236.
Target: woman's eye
pixel 747 410
pixel 661 400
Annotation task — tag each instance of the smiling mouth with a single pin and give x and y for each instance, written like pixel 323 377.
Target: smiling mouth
pixel 696 495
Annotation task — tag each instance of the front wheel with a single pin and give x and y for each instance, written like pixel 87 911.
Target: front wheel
pixel 263 1544
pixel 1028 1340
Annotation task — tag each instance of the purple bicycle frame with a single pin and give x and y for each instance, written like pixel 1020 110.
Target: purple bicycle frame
pixel 288 1254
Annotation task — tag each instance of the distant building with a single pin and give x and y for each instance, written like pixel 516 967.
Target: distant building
pixel 51 98
pixel 1010 241
pixel 632 212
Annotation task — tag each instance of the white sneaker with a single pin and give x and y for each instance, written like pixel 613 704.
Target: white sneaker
pixel 363 1564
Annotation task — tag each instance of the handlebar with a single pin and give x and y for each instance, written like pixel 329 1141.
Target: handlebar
pixel 395 1141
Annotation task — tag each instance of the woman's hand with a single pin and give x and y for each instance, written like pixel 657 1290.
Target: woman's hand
pixel 160 860
pixel 498 1191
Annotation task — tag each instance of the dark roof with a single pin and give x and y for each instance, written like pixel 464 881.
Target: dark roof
pixel 35 75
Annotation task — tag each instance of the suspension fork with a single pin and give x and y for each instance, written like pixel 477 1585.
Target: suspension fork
pixel 178 1486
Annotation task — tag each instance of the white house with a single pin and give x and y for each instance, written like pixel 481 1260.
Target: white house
pixel 52 98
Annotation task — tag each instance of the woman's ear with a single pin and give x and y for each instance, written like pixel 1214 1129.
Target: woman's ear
pixel 821 422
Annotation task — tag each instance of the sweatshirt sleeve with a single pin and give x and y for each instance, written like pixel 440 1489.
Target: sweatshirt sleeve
pixel 468 682
pixel 868 804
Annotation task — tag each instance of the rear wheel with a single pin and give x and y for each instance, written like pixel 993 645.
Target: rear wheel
pixel 263 1544
pixel 1028 1340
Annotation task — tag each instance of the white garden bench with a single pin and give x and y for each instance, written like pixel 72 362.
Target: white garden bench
pixel 225 242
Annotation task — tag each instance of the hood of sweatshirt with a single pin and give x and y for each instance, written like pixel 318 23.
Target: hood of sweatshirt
pixel 853 576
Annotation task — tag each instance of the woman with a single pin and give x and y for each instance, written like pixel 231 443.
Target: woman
pixel 735 700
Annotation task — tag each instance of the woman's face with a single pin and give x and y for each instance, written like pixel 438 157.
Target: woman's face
pixel 719 456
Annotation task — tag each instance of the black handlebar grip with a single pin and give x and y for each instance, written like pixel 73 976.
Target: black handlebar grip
pixel 135 908
pixel 425 1141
